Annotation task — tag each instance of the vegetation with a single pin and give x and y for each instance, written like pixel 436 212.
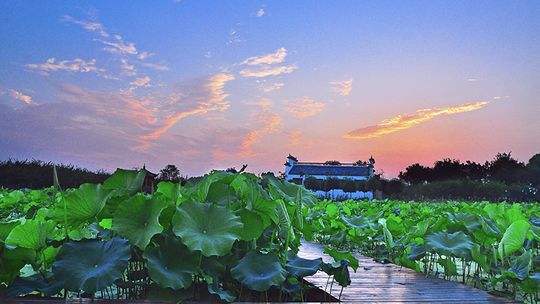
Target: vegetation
pixel 494 246
pixel 36 174
pixel 225 236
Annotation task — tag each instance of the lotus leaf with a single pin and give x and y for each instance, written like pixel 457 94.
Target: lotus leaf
pixel 208 228
pixel 342 256
pixel 31 234
pixel 259 271
pixel 91 265
pixel 513 238
pixel 451 244
pixel 125 181
pixel 521 265
pixel 137 219
pixel 171 264
pixel 300 267
pixel 82 205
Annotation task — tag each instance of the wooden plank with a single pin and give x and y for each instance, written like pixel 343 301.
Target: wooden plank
pixel 387 283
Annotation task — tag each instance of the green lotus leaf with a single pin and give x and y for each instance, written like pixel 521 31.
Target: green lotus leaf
pixel 469 221
pixel 220 292
pixel 259 271
pixel 356 221
pixel 513 238
pixel 340 271
pixel 342 256
pixel 417 252
pixel 125 181
pixel 253 225
pixel 169 191
pixel 27 285
pixel 451 244
pixel 300 267
pixel 81 205
pixel 137 219
pixel 91 265
pixel 208 228
pixel 31 234
pixel 521 265
pixel 6 227
pixel 171 264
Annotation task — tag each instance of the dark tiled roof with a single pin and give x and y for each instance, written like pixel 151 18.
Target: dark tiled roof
pixel 300 169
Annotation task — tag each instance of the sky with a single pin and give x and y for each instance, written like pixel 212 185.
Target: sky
pixel 217 84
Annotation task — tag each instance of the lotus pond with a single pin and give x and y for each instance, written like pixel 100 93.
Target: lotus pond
pixel 235 237
pixel 226 237
pixel 492 246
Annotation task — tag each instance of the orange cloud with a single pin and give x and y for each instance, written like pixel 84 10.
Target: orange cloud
pixel 268 121
pixel 305 107
pixel 214 101
pixel 403 122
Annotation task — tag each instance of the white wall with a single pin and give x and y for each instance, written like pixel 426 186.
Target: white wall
pixel 340 194
pixel 291 176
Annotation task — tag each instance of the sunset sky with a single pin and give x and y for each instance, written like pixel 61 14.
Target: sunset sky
pixel 216 84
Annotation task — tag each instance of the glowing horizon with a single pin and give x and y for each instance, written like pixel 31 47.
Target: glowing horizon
pixel 211 85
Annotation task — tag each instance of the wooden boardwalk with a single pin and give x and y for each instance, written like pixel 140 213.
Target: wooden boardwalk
pixel 387 283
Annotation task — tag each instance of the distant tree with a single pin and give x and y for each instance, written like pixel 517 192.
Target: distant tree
pixel 169 173
pixel 332 162
pixel 447 169
pixel 533 170
pixel 474 170
pixel 506 169
pixel 360 163
pixel 416 174
pixel 37 174
pixel 233 169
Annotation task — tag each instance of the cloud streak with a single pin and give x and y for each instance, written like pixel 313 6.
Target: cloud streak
pixel 407 121
pixel 305 107
pixel 342 88
pixel 211 98
pixel 267 121
pixel 268 71
pixel 25 99
pixel 76 65
pixel 277 57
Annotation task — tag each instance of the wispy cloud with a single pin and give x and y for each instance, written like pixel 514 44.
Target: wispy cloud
pixel 212 97
pixel 144 55
pixel 76 65
pixel 141 82
pixel 25 99
pixel 119 46
pixel 277 57
pixel 91 26
pixel 127 68
pixel 266 122
pixel 260 12
pixel 155 66
pixel 472 79
pixel 342 88
pixel 305 107
pixel 268 71
pixel 267 88
pixel 406 121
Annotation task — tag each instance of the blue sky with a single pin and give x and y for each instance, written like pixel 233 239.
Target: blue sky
pixel 214 84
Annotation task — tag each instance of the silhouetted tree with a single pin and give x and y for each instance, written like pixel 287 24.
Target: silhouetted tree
pixel 416 174
pixel 506 169
pixel 533 170
pixel 169 173
pixel 332 162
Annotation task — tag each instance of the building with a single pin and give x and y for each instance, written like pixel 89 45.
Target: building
pixel 296 171
pixel 149 180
